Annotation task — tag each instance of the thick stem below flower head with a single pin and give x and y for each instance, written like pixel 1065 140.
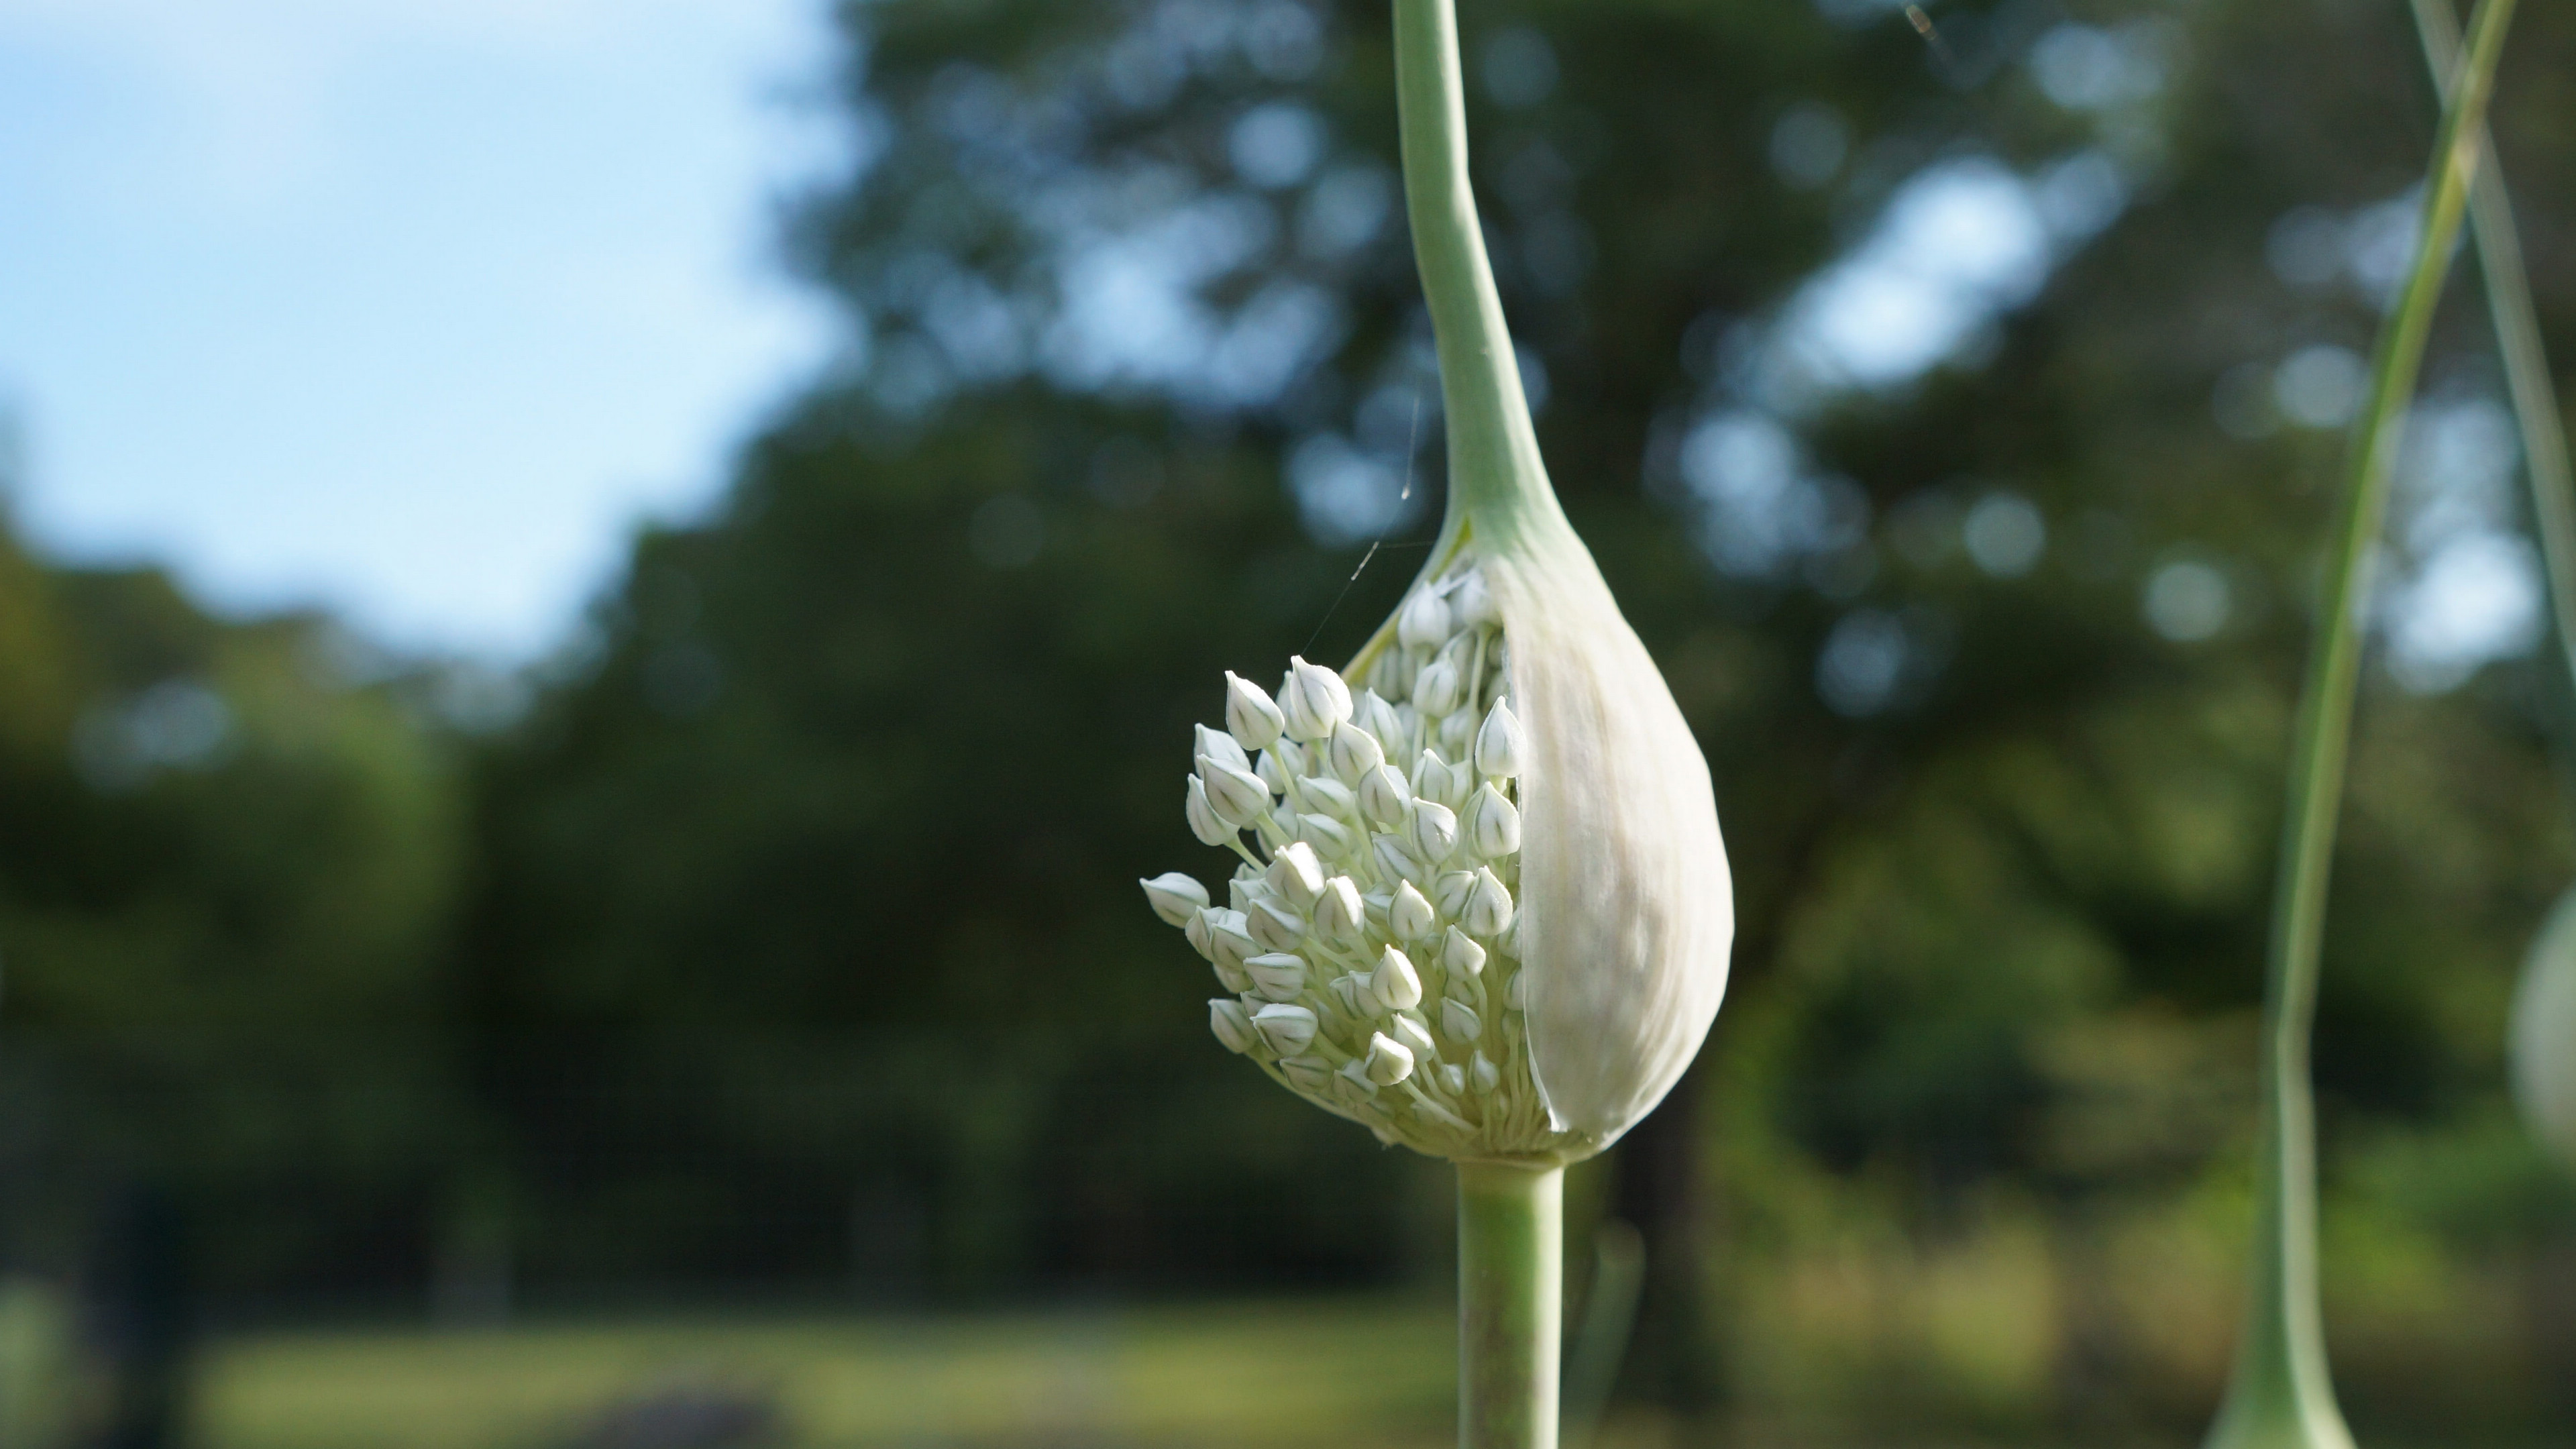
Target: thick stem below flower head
pixel 1511 1292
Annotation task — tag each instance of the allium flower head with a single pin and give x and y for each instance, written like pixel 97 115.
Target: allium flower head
pixel 1480 904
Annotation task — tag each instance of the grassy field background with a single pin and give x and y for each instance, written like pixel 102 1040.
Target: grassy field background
pixel 1353 1374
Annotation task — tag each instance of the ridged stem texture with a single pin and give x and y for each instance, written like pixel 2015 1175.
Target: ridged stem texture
pixel 2281 1393
pixel 1511 1290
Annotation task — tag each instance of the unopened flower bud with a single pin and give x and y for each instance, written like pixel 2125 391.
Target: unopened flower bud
pixel 1271 773
pixel 1453 1080
pixel 1423 622
pixel 1232 1024
pixel 1359 1089
pixel 1389 1060
pixel 1500 748
pixel 1239 796
pixel 1516 993
pixel 1351 992
pixel 1305 1073
pixel 1275 926
pixel 1409 917
pixel 1489 906
pixel 1395 981
pixel 1457 1018
pixel 1296 874
pixel 1483 1074
pixel 1451 891
pixel 1408 1029
pixel 1312 699
pixel 1353 752
pixel 1394 859
pixel 1384 796
pixel 1432 831
pixel 1493 824
pixel 1437 688
pixel 1203 817
pixel 1278 975
pixel 1339 916
pixel 1371 712
pixel 1287 1029
pixel 1332 797
pixel 1250 714
pixel 1175 897
pixel 1457 738
pixel 1329 837
pixel 1473 604
pixel 1221 747
pixel 1434 779
pixel 1460 956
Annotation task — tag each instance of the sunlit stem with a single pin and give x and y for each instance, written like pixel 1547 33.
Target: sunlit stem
pixel 2281 1393
pixel 2526 362
pixel 1511 1289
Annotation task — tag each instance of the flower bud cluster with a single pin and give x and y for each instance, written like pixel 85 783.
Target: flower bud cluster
pixel 1367 937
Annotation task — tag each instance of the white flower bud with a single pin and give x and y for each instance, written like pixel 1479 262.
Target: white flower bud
pixel 1221 747
pixel 1408 916
pixel 1287 1029
pixel 1456 738
pixel 1453 1080
pixel 1232 976
pixel 1351 992
pixel 1432 831
pixel 1499 746
pixel 1389 1060
pixel 1250 715
pixel 1306 1073
pixel 1353 753
pixel 1196 931
pixel 1175 897
pixel 1371 712
pixel 1516 991
pixel 2541 1049
pixel 1484 1075
pixel 1203 817
pixel 1451 891
pixel 1339 916
pixel 1473 604
pixel 1239 797
pixel 1296 875
pixel 1437 688
pixel 1407 1028
pixel 1493 825
pixel 1423 622
pixel 1394 861
pixel 1312 699
pixel 1232 1024
pixel 1271 773
pixel 1459 956
pixel 1332 797
pixel 1433 779
pixel 1275 926
pixel 1358 1090
pixel 1329 837
pixel 1489 906
pixel 1385 797
pixel 1277 975
pixel 1457 1018
pixel 1395 981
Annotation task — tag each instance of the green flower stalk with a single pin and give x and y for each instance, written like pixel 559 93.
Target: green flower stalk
pixel 1482 905
pixel 2542 1044
pixel 2281 1395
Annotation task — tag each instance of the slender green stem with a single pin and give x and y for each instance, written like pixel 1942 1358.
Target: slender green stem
pixel 1511 1290
pixel 2526 361
pixel 2280 1393
pixel 1495 473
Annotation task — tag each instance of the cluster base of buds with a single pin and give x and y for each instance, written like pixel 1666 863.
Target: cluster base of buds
pixel 1368 939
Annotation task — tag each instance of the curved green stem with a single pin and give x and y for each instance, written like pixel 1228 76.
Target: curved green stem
pixel 2526 361
pixel 1495 475
pixel 1511 1290
pixel 2280 1393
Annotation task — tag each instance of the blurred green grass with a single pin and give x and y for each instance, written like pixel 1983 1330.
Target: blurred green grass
pixel 1353 1373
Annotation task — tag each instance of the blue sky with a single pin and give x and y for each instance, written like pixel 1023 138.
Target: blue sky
pixel 407 307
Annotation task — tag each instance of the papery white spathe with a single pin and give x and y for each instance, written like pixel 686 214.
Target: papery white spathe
pixel 2543 1042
